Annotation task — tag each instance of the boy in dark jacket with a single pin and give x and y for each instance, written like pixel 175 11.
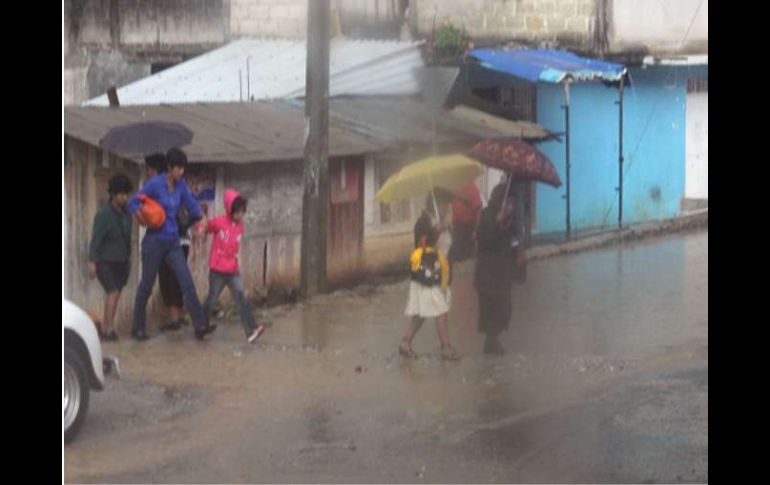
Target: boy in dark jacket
pixel 110 249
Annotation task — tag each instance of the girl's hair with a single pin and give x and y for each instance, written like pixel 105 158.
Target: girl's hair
pixel 176 158
pixel 119 184
pixel 431 237
pixel 238 204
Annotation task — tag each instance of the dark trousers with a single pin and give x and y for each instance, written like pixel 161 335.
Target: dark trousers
pixel 170 290
pixel 154 252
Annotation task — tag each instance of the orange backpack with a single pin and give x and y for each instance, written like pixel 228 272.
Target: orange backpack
pixel 152 212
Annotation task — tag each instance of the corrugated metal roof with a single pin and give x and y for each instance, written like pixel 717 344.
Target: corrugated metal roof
pixel 702 60
pixel 277 70
pixel 547 65
pixel 224 132
pixel 391 122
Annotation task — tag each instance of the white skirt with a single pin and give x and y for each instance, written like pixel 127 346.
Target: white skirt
pixel 427 301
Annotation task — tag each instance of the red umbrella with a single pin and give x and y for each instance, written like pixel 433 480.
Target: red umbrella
pixel 516 157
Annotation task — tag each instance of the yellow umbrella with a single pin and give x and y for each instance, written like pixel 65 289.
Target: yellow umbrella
pixel 452 172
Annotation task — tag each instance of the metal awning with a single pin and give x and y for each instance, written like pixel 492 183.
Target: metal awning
pixel 547 65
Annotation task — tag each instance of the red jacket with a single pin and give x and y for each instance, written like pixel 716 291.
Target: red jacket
pixel 467 206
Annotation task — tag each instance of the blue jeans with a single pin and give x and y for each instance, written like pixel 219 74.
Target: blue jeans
pixel 154 252
pixel 217 282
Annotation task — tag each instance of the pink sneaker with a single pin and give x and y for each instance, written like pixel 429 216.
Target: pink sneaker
pixel 256 333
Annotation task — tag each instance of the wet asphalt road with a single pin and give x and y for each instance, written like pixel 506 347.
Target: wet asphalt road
pixel 605 380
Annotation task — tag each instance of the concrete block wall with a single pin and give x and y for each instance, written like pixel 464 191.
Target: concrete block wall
pixel 172 23
pixel 288 18
pixel 268 18
pixel 660 26
pixel 571 22
pixel 74 85
pixel 115 42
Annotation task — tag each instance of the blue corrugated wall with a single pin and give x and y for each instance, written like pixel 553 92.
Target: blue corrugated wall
pixel 653 145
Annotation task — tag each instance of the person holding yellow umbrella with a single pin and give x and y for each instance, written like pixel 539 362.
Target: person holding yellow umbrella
pixel 429 295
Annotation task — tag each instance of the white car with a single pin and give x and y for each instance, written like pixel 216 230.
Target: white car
pixel 83 367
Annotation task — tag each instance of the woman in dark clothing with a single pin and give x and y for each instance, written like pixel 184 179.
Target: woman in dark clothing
pixel 495 266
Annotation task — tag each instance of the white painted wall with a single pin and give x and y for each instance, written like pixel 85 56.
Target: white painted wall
pixel 661 25
pixel 697 146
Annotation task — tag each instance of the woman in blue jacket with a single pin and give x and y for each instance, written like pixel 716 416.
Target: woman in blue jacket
pixel 162 244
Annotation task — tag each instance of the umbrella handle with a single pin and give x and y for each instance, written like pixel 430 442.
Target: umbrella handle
pixel 433 194
pixel 507 188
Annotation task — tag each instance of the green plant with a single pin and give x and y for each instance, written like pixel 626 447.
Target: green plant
pixel 449 41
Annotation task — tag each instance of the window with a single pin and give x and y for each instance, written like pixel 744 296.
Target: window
pixel 520 101
pixel 698 85
pixel 398 211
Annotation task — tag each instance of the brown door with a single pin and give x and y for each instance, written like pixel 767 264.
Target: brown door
pixel 346 220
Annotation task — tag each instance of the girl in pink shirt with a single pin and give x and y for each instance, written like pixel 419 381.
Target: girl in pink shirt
pixel 224 267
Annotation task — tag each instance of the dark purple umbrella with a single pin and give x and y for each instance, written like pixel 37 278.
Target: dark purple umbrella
pixel 146 138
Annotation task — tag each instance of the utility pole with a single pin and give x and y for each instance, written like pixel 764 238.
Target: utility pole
pixel 315 201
